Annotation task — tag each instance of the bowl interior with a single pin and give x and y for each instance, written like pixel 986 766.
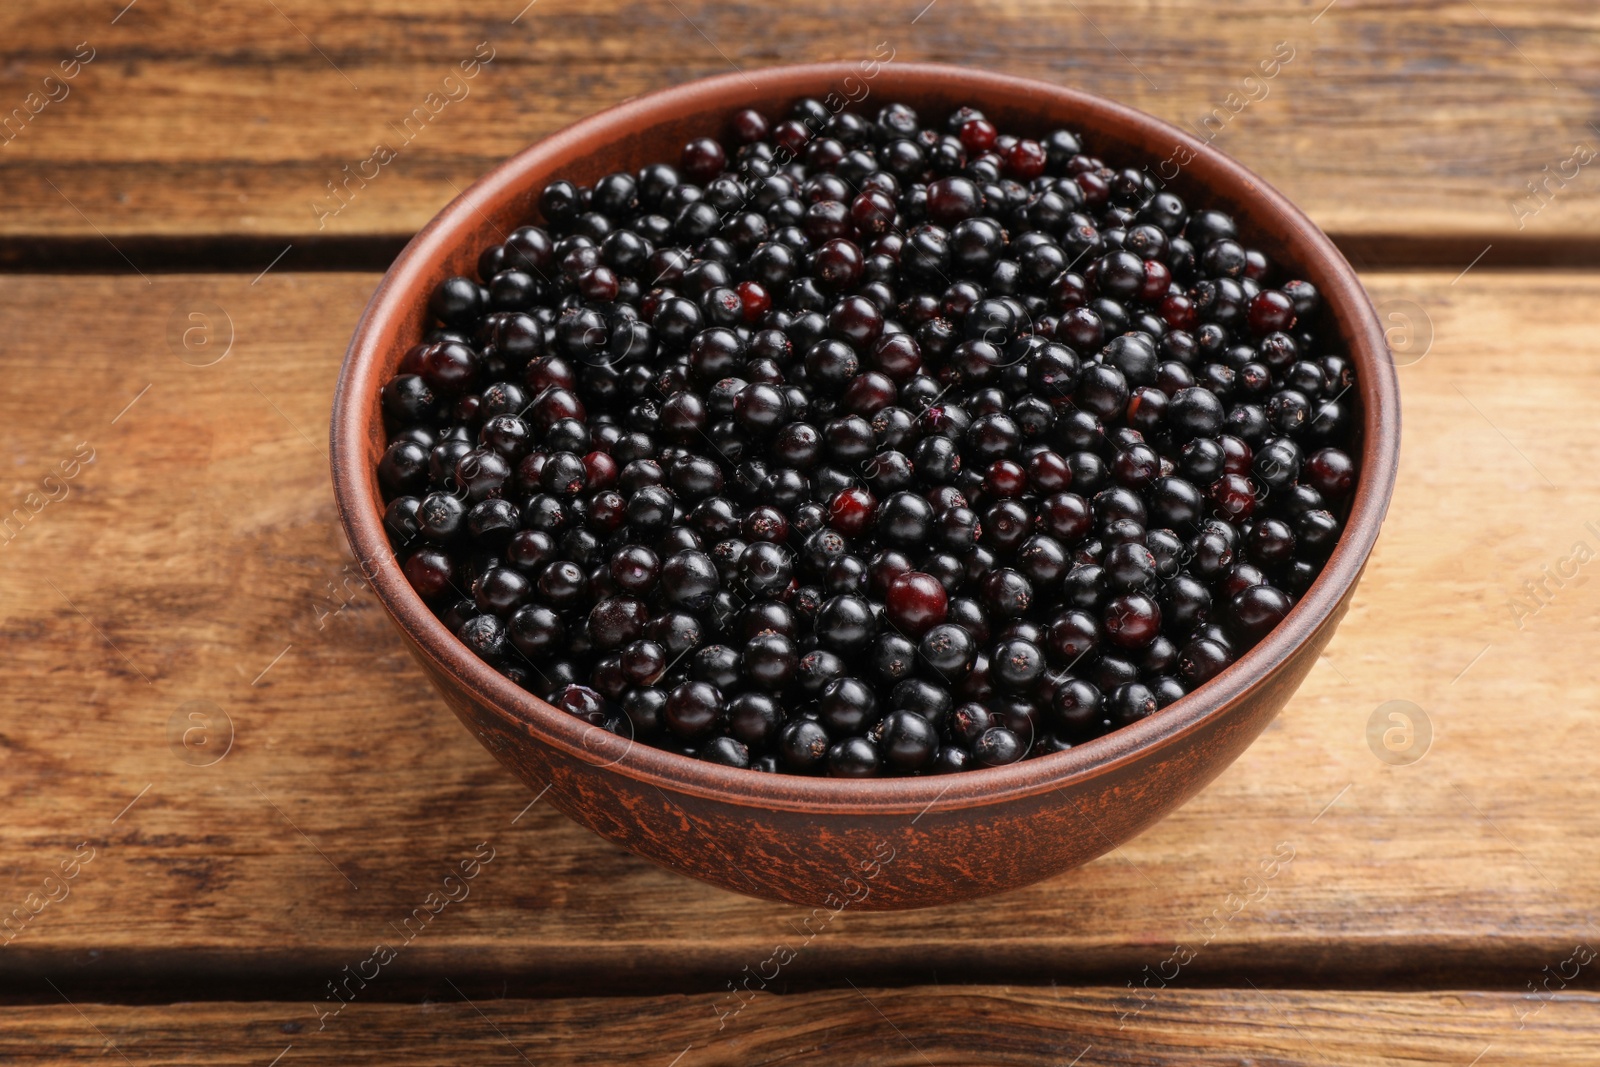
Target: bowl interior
pixel 654 128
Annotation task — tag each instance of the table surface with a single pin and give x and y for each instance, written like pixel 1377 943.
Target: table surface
pixel 1435 912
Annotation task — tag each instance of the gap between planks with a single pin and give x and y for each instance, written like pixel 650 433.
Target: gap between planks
pixel 301 253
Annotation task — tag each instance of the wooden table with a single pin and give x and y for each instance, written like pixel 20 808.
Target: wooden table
pixel 225 783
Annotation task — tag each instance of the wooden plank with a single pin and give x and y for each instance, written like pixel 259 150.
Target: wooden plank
pixel 878 1027
pixel 1393 124
pixel 191 561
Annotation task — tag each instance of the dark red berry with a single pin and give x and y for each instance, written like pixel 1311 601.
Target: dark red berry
pixel 582 702
pixel 1331 472
pixel 703 159
pixel 1132 620
pixel 429 571
pixel 916 602
pixel 851 511
pixel 750 126
pixel 1234 496
pixel 754 301
pixel 1026 160
pixel 1271 311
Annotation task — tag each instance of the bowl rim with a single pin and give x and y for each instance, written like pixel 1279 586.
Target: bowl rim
pixel 355 479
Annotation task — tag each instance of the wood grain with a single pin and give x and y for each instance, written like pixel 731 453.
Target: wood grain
pixel 191 562
pixel 1394 125
pixel 868 1026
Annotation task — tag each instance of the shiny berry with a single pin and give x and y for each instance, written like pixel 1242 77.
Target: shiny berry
pixel 916 603
pixel 908 742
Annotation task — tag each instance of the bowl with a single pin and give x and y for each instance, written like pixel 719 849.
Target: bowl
pixel 879 843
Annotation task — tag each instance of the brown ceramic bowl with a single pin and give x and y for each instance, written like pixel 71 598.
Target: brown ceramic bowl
pixel 886 843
